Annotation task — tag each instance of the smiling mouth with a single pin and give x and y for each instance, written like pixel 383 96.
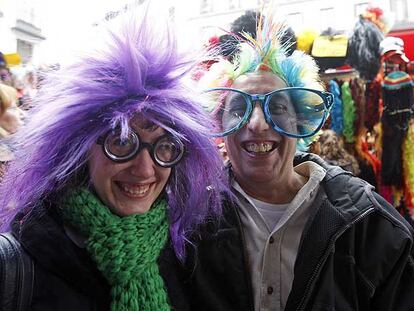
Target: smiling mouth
pixel 134 190
pixel 259 148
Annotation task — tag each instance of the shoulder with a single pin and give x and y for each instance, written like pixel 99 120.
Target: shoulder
pixel 355 199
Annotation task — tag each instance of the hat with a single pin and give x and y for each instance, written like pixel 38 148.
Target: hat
pixel 391 44
pixel 391 55
pixel 397 80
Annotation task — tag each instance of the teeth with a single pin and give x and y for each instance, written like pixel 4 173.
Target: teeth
pixel 136 190
pixel 261 147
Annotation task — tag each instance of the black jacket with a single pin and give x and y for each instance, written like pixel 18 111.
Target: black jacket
pixel 356 253
pixel 65 278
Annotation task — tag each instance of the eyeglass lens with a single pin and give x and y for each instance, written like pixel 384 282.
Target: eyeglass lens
pixel 294 111
pixel 165 151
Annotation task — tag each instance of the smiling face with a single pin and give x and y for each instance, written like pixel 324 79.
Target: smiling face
pixel 132 187
pixel 262 159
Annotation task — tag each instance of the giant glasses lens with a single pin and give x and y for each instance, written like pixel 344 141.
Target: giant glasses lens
pixel 166 151
pixel 296 112
pixel 228 108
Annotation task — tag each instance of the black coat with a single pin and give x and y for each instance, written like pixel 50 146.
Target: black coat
pixel 356 253
pixel 66 278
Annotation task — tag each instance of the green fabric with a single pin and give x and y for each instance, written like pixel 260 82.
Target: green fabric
pixel 125 249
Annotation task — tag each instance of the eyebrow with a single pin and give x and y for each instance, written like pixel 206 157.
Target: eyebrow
pixel 150 127
pixel 145 125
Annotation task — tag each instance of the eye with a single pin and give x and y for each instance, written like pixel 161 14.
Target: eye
pixel 121 146
pixel 237 112
pixel 121 142
pixel 236 106
pixel 167 150
pixel 166 147
pixel 278 109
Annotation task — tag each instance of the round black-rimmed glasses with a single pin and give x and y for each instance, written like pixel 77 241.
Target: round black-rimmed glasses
pixel 166 151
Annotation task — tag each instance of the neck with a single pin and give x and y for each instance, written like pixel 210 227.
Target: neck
pixel 276 192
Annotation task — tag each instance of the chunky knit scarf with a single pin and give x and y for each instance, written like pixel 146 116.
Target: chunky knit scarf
pixel 125 249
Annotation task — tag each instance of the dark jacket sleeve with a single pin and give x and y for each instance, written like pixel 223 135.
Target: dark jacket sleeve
pixel 395 290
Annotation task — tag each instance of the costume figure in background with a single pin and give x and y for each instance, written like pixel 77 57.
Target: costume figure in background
pixel 300 234
pixel 10 122
pixel 113 170
pixel 397 93
pixel 11 117
pixel 5 74
pixel 330 147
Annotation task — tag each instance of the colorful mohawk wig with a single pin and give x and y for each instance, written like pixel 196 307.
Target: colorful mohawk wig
pixel 140 71
pixel 266 53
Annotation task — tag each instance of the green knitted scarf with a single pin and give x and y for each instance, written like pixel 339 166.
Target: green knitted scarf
pixel 125 249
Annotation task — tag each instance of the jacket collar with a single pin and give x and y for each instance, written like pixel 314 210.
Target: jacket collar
pixel 42 235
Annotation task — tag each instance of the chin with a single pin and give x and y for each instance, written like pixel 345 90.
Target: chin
pixel 129 210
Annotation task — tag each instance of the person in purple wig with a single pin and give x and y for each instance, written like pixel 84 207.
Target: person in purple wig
pixel 112 173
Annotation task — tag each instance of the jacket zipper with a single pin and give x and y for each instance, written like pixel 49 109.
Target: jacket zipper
pixel 246 266
pixel 311 283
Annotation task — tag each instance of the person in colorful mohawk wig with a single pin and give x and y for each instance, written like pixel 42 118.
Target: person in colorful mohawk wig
pixel 300 234
pixel 113 171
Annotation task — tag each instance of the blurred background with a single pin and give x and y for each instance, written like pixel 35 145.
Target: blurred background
pixel 46 31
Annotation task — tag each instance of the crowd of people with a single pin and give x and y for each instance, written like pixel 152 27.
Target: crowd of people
pixel 18 88
pixel 116 196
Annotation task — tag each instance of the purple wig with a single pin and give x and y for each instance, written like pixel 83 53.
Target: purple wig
pixel 141 71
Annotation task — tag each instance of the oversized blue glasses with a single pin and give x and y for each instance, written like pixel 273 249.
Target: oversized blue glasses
pixel 293 111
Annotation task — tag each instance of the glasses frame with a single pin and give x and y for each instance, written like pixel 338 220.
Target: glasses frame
pixel 141 145
pixel 264 103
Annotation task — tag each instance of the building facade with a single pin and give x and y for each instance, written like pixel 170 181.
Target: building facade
pixel 209 16
pixel 18 31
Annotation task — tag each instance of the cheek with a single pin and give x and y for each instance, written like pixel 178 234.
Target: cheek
pixel 101 169
pixel 164 175
pixel 292 146
pixel 231 145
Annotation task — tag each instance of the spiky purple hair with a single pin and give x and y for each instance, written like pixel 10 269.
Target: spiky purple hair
pixel 142 72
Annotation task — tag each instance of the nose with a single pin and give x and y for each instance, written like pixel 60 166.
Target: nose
pixel 142 165
pixel 257 121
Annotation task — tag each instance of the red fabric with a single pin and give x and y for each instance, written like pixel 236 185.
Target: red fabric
pixel 386 193
pixel 372 104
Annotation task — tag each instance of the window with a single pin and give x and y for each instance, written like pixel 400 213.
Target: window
pixel 400 10
pixel 410 10
pixel 295 20
pixel 25 50
pixel 360 8
pixel 327 18
pixel 171 13
pixel 234 4
pixel 206 6
pixel 261 3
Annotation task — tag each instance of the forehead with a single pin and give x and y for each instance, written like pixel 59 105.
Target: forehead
pixel 146 129
pixel 259 82
pixel 139 122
